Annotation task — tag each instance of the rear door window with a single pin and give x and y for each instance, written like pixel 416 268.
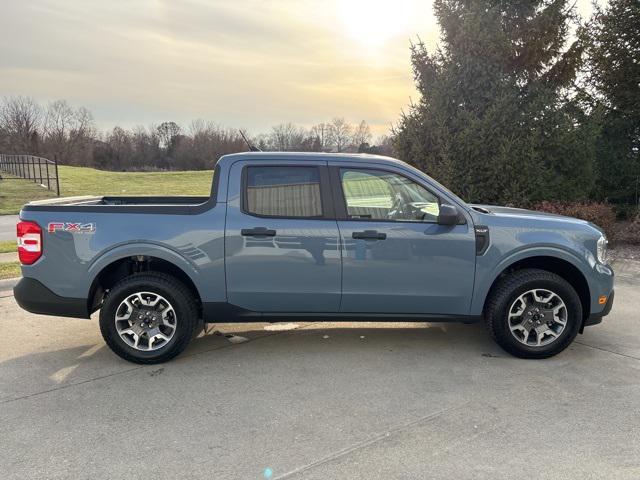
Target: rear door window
pixel 281 191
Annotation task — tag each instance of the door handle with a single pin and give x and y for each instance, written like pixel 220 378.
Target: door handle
pixel 257 232
pixel 369 235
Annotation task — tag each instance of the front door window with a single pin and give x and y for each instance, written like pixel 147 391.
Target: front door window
pixel 381 195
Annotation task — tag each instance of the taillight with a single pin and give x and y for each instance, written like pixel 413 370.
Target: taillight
pixel 29 242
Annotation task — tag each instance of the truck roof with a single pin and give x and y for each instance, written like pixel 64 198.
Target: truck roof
pixel 310 156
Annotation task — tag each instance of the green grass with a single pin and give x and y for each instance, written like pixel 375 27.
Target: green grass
pixel 9 270
pixel 15 193
pixel 8 246
pixel 88 181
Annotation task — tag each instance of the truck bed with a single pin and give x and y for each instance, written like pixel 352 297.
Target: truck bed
pixel 122 204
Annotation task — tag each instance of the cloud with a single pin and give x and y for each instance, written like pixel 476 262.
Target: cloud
pixel 247 63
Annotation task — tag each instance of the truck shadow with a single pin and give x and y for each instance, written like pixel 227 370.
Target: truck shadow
pixel 349 337
pixel 306 344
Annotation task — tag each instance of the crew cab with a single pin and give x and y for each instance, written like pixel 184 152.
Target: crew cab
pixel 311 235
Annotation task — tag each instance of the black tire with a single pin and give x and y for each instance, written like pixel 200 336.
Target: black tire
pixel 180 297
pixel 508 289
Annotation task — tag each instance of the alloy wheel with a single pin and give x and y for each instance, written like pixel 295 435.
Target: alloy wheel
pixel 146 321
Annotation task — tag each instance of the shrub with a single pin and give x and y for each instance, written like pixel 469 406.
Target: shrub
pixel 629 232
pixel 625 211
pixel 601 214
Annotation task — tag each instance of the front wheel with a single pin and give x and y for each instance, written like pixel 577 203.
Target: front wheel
pixel 148 318
pixel 533 313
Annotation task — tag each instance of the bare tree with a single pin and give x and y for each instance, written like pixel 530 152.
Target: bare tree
pixel 286 137
pixel 361 136
pixel 120 147
pixel 81 135
pixel 146 150
pixel 20 119
pixel 385 146
pixel 340 133
pixel 208 141
pixel 83 122
pixel 67 132
pixel 57 121
pixel 322 132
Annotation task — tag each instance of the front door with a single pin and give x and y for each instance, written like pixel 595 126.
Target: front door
pixel 396 257
pixel 281 243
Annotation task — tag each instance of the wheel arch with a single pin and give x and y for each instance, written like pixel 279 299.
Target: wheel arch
pixel 114 266
pixel 554 264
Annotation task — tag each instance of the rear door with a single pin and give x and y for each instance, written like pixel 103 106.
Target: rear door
pixel 281 242
pixel 396 257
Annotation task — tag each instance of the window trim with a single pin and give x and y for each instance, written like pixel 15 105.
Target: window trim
pixel 340 199
pixel 326 201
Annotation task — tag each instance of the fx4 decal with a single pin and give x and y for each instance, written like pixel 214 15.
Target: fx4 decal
pixel 71 227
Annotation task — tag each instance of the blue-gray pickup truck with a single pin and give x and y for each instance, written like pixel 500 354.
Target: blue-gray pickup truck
pixel 317 236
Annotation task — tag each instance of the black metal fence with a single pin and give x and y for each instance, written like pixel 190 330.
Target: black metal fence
pixel 41 171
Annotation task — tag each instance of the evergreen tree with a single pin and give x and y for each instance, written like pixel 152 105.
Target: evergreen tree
pixel 493 121
pixel 613 77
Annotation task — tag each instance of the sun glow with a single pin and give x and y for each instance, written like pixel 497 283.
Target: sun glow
pixel 373 23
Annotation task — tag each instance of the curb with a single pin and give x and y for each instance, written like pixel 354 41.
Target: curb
pixel 8 283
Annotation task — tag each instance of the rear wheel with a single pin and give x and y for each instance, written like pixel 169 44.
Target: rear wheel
pixel 533 313
pixel 148 318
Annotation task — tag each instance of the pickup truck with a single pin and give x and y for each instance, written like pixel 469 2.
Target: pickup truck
pixel 321 236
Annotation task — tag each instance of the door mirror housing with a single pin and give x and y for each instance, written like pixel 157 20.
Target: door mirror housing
pixel 448 215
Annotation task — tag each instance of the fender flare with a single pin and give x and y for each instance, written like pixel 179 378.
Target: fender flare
pixel 147 249
pixel 483 287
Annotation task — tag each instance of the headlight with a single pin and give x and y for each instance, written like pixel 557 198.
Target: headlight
pixel 602 249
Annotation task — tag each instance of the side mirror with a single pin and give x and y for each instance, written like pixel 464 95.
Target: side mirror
pixel 448 215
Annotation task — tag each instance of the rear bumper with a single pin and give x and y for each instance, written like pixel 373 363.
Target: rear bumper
pixel 596 318
pixel 34 297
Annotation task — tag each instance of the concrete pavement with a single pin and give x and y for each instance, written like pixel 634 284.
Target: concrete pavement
pixel 321 401
pixel 8 227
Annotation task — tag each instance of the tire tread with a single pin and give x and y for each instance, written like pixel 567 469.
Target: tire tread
pixel 505 287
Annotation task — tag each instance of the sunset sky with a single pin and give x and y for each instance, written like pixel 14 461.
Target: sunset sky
pixel 243 63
